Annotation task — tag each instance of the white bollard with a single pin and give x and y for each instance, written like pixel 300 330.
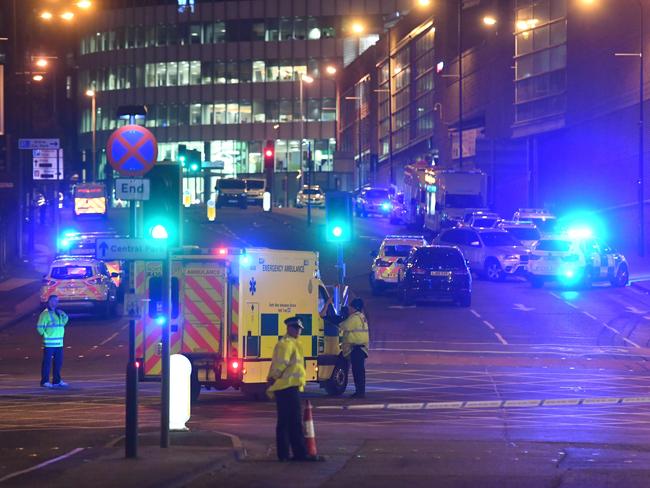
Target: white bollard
pixel 180 370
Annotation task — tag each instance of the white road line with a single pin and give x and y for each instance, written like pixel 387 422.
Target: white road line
pixel 571 305
pixel 501 339
pixel 475 313
pixel 109 339
pixel 591 316
pixel 489 324
pixel 42 465
pixel 625 339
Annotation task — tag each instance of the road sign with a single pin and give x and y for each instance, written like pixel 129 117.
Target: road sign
pixel 47 164
pixel 126 249
pixel 132 150
pixel 38 144
pixel 132 188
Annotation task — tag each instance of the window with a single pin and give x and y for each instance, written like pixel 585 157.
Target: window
pixel 257 31
pixel 172 73
pixel 286 71
pixel 259 114
pixel 286 29
pixel 219 113
pixel 272 113
pixel 232 72
pixel 258 71
pixel 195 72
pixel 245 112
pixel 196 34
pixel 272 73
pixel 272 30
pixel 286 111
pixel 195 114
pixel 207 114
pixel 232 113
pixel 329 110
pixel 313 109
pixel 184 73
pixel 206 72
pixel 313 30
pixel 245 71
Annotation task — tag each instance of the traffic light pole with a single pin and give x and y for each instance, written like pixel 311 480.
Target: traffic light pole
pixel 310 169
pixel 340 266
pixel 164 387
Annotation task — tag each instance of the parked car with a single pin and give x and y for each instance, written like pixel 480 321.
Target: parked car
pixel 525 232
pixel 398 210
pixel 231 192
pixel 373 201
pixel 312 194
pixel 255 188
pixel 481 218
pixel 438 273
pixel 492 253
pixel 541 217
pixel 573 260
pixel 385 266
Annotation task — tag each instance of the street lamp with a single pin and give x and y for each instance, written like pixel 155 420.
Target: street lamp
pixel 91 93
pixel 641 162
pixel 305 79
pixel 358 28
pixel 37 77
pixel 41 62
pixel 67 16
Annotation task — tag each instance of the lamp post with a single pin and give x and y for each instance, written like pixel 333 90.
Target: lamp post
pixel 641 160
pixel 305 79
pixel 91 93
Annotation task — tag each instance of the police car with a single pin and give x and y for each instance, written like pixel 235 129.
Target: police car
pixel 389 260
pixel 82 283
pixel 73 243
pixel 525 232
pixel 544 220
pixel 576 258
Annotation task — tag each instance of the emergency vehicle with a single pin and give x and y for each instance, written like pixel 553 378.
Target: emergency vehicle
pixel 227 313
pixel 90 199
pixel 414 194
pixel 389 260
pixel 576 258
pixel 73 243
pixel 82 283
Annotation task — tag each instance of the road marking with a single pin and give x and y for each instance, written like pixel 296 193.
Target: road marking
pixel 572 305
pixel 522 307
pixel 600 401
pixel 475 313
pixel 405 406
pixel 500 337
pixel 374 406
pixel 436 405
pixel 522 403
pixel 635 310
pixel 625 339
pixel 489 324
pixel 590 315
pixel 560 402
pixel 109 339
pixel 42 465
pixel 483 404
pixel 402 306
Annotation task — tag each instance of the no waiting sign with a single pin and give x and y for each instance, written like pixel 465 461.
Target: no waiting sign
pixel 132 150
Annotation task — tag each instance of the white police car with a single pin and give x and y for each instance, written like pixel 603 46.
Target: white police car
pixel 389 260
pixel 576 258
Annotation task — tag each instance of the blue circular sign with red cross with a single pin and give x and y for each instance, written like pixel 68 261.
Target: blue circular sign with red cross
pixel 132 150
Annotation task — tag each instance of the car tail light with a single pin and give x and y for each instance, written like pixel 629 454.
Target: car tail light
pixel 534 257
pixel 571 258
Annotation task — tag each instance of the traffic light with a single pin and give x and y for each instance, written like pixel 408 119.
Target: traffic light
pixel 338 216
pixel 269 155
pixel 194 157
pixel 162 212
pixel 182 154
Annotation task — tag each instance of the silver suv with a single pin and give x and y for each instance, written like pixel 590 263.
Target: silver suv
pixel 491 253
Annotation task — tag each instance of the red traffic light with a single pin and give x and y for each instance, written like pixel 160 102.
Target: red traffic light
pixel 268 153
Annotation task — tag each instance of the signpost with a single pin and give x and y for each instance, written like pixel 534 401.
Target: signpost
pixel 47 164
pixel 132 150
pixel 27 144
pixel 131 249
pixel 132 188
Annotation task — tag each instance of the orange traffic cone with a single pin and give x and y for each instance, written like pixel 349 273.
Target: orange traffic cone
pixel 310 434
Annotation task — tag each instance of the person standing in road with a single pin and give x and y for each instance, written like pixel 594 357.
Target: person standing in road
pixel 51 326
pixel 354 345
pixel 286 380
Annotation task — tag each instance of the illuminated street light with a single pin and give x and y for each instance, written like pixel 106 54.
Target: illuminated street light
pixel 489 20
pixel 84 4
pixel 68 16
pixel 331 70
pixel 90 93
pixel 37 77
pixel 357 28
pixel 41 62
pixel 307 79
pixel 424 3
pixel 46 15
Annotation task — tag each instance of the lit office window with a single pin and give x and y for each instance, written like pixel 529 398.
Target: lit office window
pixel 272 73
pixel 313 109
pixel 172 73
pixel 232 72
pixel 184 73
pixel 232 113
pixel 219 72
pixel 206 72
pixel 259 114
pixel 196 34
pixel 259 68
pixel 313 30
pixel 219 113
pixel 195 73
pixel 329 110
pixel 195 114
pixel 207 114
pixel 272 30
pixel 286 71
pixel 245 112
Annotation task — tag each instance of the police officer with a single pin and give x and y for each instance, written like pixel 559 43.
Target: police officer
pixel 286 379
pixel 354 345
pixel 51 325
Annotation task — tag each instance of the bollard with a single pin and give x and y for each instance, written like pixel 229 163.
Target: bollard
pixel 180 371
pixel 131 438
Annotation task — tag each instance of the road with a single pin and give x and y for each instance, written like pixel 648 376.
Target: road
pixel 546 371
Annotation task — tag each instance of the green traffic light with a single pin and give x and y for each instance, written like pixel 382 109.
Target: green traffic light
pixel 158 231
pixel 337 231
pixel 194 167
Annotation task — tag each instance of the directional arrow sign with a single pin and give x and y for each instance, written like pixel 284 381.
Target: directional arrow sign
pixel 522 307
pixel 131 249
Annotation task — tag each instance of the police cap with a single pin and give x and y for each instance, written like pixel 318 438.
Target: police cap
pixel 294 322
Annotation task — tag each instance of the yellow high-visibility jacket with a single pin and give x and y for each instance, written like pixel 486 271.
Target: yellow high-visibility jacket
pixel 52 327
pixel 287 366
pixel 354 332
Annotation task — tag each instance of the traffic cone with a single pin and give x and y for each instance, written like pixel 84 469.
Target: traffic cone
pixel 310 434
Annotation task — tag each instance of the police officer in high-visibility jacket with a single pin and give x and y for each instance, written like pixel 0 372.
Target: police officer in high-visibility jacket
pixel 286 379
pixel 354 345
pixel 51 325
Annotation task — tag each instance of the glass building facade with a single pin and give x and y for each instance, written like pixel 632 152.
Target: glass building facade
pixel 224 77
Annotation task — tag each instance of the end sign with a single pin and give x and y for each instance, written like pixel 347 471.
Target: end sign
pixel 132 188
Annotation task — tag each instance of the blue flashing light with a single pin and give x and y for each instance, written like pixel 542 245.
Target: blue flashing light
pixel 161 320
pixel 386 206
pixel 580 233
pixel 245 260
pixel 159 232
pixel 64 243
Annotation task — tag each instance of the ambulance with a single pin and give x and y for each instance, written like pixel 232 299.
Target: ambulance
pixel 90 199
pixel 228 308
